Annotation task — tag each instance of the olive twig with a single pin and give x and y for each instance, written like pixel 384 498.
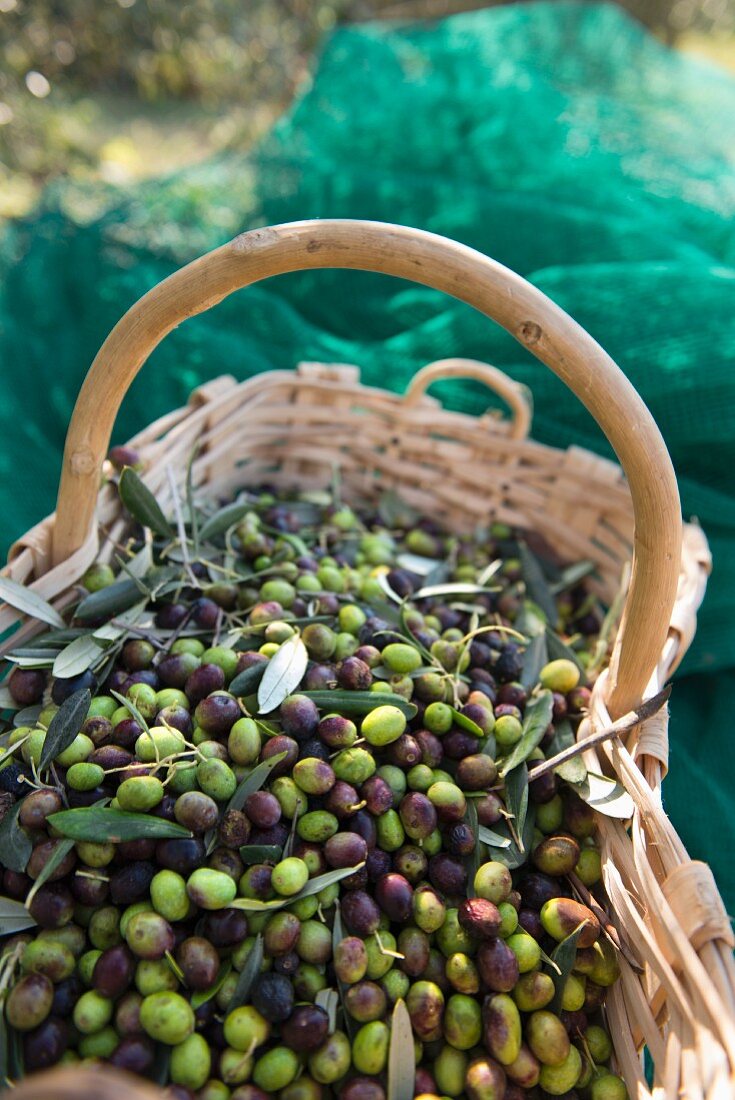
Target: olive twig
pixel 622 725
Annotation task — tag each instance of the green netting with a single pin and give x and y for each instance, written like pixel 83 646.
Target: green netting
pixel 558 138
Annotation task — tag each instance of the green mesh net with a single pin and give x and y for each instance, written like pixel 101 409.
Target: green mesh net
pixel 558 138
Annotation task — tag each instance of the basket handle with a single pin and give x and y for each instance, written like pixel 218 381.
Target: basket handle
pixel 539 325
pixel 513 393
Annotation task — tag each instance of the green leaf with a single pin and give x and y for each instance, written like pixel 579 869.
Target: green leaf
pixel 15 844
pixel 159 1071
pixel 141 503
pixel 7 702
pixel 221 521
pixel 605 795
pixel 351 703
pixel 559 649
pixel 328 999
pixel 247 681
pixel 396 512
pixel 248 975
pixel 130 705
pixel 64 726
pixel 466 723
pixel 574 769
pixel 4 1045
pixel 475 857
pixel 493 839
pixel 16 1062
pixel 401 1064
pixel 29 602
pixel 516 796
pixel 430 569
pixel 534 659
pixel 572 575
pixel 80 655
pixel 100 823
pixel 457 588
pixel 313 886
pixel 14 917
pixel 203 995
pixel 63 848
pixel 564 956
pixel 254 781
pixel 509 852
pixel 530 620
pixel 283 674
pixel 536 721
pixel 109 601
pixel 260 853
pixel 537 586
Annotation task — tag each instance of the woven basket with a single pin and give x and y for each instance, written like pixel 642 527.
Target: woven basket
pixel 676 997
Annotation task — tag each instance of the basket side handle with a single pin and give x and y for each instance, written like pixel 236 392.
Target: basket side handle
pixel 426 258
pixel 515 395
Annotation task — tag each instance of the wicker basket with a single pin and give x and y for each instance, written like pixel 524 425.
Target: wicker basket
pixel 676 997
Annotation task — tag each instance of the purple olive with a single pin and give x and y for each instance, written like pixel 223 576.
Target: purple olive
pixel 345 850
pixel 447 874
pixel 498 965
pixel 113 971
pixel 26 686
pixel 360 912
pixel 394 895
pixel 203 681
pixel 417 814
pixel 354 674
pixel 411 862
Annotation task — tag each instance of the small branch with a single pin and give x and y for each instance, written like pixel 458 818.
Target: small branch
pixel 605 923
pixel 622 725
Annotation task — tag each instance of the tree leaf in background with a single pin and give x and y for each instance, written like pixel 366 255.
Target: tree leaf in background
pixel 248 974
pixel 64 726
pixel 536 721
pixel 15 845
pixel 254 781
pixel 283 673
pixel 29 602
pixel 351 703
pixel 141 503
pixel 534 659
pixel 401 1063
pixel 537 586
pixel 101 823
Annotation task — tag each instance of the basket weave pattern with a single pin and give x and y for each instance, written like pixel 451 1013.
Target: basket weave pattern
pixel 676 996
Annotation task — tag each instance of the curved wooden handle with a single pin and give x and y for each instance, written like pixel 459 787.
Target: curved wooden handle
pixel 538 324
pixel 74 1082
pixel 513 393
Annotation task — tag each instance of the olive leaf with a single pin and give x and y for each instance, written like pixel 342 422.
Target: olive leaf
pixel 456 588
pixel 203 995
pixel 130 705
pixel 559 650
pixel 115 598
pixel 7 702
pixel 28 716
pixel 536 720
pixel 352 703
pixel 516 797
pixel 62 850
pixel 141 503
pixel 248 974
pixel 572 575
pixel 64 726
pixel 328 999
pixel 247 681
pixel 99 823
pixel 4 1045
pixel 534 659
pixel 605 795
pixel 493 839
pixel 254 781
pixel 260 853
pixel 563 957
pixel 15 844
pixel 422 566
pixel 313 886
pixel 466 723
pixel 396 512
pixel 283 673
pixel 573 770
pixel 221 521
pixel 509 852
pixel 78 656
pixel 14 916
pixel 159 1071
pixel 475 857
pixel 29 602
pixel 401 1063
pixel 537 586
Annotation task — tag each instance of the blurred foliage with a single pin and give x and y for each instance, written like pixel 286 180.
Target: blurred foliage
pixel 121 89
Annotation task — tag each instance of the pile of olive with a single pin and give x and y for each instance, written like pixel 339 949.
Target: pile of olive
pixel 141 951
